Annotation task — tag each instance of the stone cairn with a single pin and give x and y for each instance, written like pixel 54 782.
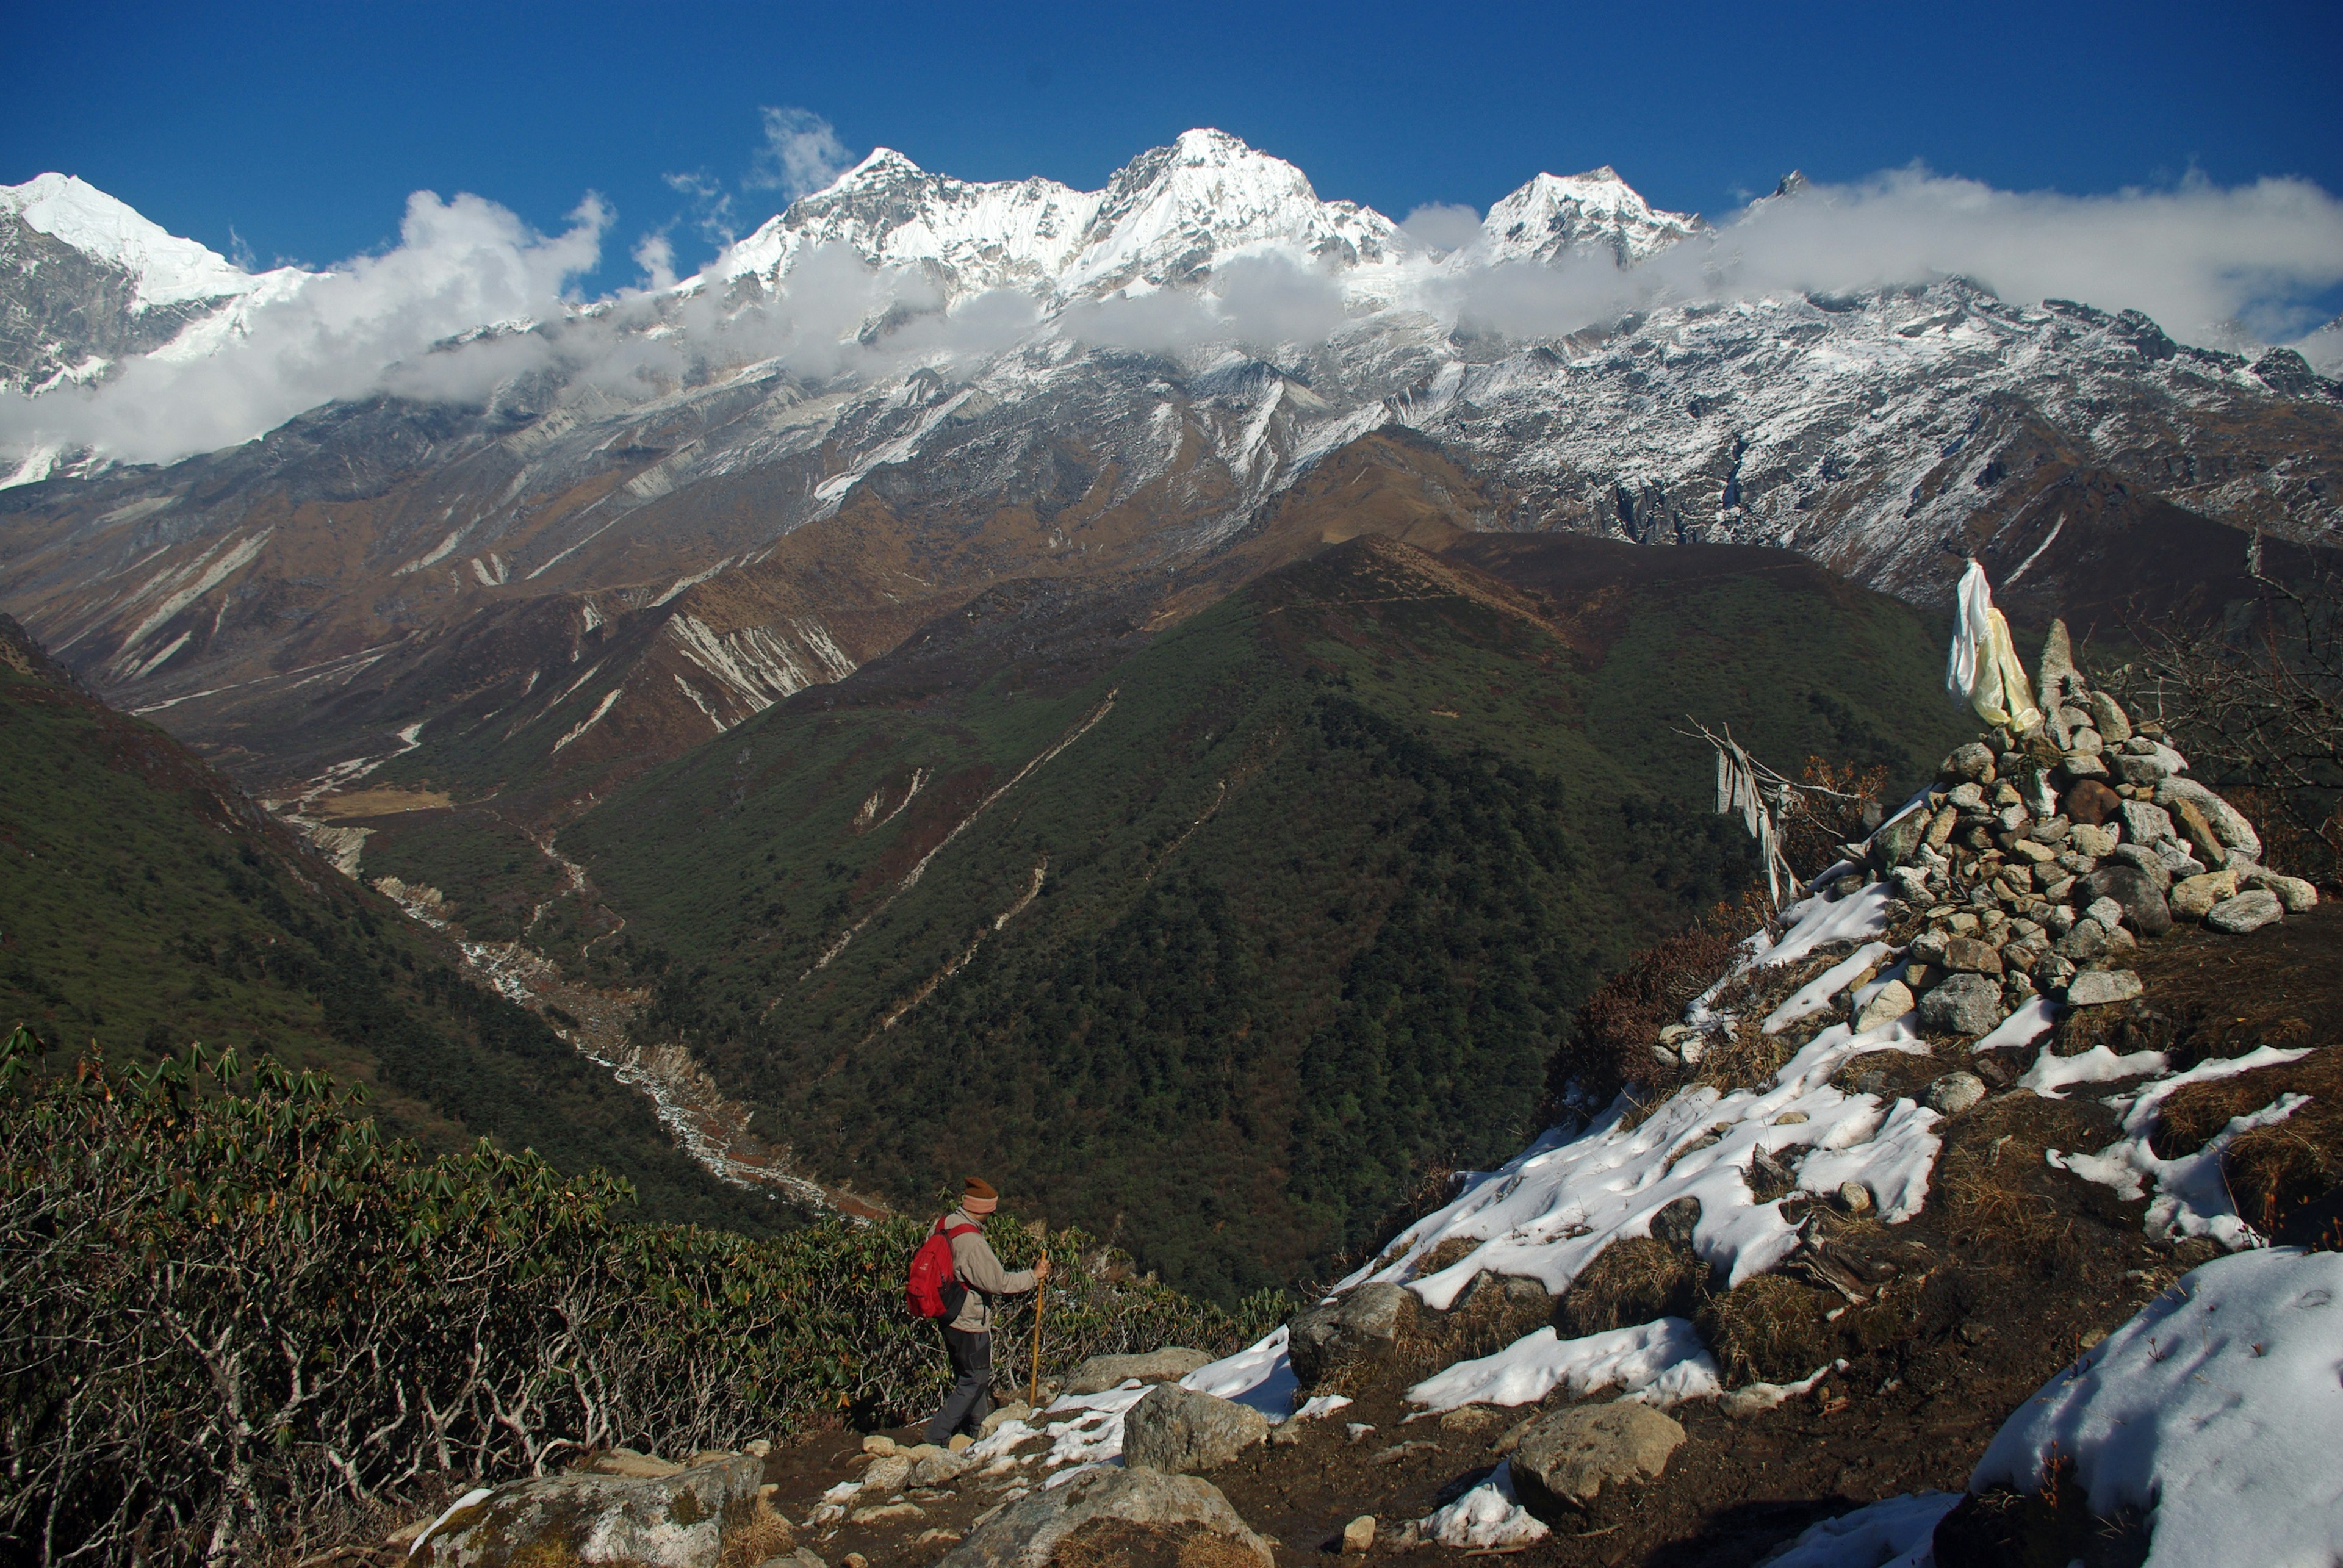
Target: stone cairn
pixel 2037 861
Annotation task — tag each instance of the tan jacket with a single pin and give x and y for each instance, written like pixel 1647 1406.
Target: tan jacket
pixel 981 1272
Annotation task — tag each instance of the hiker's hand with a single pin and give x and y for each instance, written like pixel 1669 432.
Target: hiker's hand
pixel 1041 1268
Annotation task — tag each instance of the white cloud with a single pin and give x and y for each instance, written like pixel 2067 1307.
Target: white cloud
pixel 459 264
pixel 2195 257
pixel 1443 226
pixel 802 153
pixel 656 255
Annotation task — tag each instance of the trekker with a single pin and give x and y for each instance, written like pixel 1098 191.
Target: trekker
pixel 968 1333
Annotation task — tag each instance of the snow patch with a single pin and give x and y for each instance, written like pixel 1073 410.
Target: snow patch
pixel 1660 1362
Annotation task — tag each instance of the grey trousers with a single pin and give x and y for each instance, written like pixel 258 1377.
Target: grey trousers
pixel 971 1399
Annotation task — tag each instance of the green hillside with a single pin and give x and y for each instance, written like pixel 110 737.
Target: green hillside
pixel 144 903
pixel 1216 952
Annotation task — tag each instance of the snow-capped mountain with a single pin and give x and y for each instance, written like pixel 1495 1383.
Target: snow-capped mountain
pixel 1556 216
pixel 1164 217
pixel 648 527
pixel 89 282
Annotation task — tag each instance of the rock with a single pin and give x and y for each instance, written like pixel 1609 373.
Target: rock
pixel 2106 912
pixel 885 1512
pixel 1966 797
pixel 1028 1531
pixel 1928 946
pixel 1563 1462
pixel 625 1462
pixel 1892 1002
pixel 1015 1410
pixel 2109 717
pixel 2056 675
pixel 2192 897
pixel 877 1445
pixel 1955 1092
pixel 891 1472
pixel 2098 842
pixel 2196 831
pixel 1362 1325
pixel 1940 829
pixel 1359 1536
pixel 1897 841
pixel 2095 987
pixel 2084 741
pixel 2150 862
pixel 2149 769
pixel 1853 1197
pixel 2230 827
pixel 2296 895
pixel 940 1468
pixel 1676 1221
pixel 676 1520
pixel 2144 909
pixel 2145 822
pixel 1181 1431
pixel 1967 955
pixel 2080 768
pixel 1170 1364
pixel 1972 762
pixel 1964 1004
pixel 2033 851
pixel 2249 911
pixel 2053 971
pixel 960 1439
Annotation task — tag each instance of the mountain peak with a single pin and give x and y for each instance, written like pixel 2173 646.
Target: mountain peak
pixel 168 270
pixel 883 166
pixel 1556 215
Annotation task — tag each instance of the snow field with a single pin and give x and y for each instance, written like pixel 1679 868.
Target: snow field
pixel 2217 1412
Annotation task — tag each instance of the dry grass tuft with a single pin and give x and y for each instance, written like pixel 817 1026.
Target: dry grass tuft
pixel 1769 1328
pixel 1121 1544
pixel 1631 1281
pixel 767 1534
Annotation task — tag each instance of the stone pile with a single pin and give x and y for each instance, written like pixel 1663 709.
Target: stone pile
pixel 2038 860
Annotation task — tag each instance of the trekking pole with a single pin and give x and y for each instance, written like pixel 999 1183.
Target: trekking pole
pixel 1041 1295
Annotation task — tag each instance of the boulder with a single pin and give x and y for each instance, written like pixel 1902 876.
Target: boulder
pixel 1170 1364
pixel 2148 862
pixel 2196 833
pixel 888 1472
pixel 1359 1536
pixel 2145 822
pixel 2098 842
pixel 941 1467
pixel 2144 909
pixel 2096 988
pixel 1970 955
pixel 625 1462
pixel 1972 762
pixel 1028 1531
pixel 2296 895
pixel 2249 911
pixel 2110 718
pixel 1964 1004
pixel 1181 1431
pixel 2143 770
pixel 1892 1002
pixel 1955 1092
pixel 1563 1462
pixel 1897 841
pixel 2088 802
pixel 1676 1221
pixel 1362 1325
pixel 2227 824
pixel 676 1520
pixel 2192 897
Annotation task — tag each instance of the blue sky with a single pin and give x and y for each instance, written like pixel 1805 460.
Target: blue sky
pixel 304 127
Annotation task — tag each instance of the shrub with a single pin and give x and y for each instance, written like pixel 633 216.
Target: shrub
pixel 236 1307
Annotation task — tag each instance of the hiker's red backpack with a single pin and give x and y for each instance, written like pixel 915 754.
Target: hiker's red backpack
pixel 934 1290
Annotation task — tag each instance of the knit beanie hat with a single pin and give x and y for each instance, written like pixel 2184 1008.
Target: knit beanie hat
pixel 980 1198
